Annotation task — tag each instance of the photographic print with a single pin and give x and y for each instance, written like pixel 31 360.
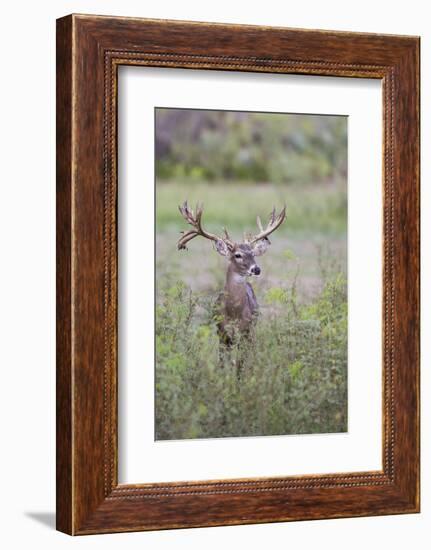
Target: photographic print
pixel 251 274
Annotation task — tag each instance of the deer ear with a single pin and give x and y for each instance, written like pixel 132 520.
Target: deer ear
pixel 261 247
pixel 221 247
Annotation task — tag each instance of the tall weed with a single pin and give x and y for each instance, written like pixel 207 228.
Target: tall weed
pixel 294 377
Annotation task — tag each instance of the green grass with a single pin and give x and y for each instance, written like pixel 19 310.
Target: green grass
pixel 311 209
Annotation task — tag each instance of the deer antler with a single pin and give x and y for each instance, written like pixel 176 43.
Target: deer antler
pixel 274 222
pixel 196 222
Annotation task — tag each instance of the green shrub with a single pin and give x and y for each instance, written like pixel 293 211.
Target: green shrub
pixel 294 377
pixel 259 147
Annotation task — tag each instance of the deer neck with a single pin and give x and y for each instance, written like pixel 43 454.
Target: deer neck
pixel 235 288
pixel 234 280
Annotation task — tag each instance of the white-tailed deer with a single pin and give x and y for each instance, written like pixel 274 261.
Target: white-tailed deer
pixel 237 304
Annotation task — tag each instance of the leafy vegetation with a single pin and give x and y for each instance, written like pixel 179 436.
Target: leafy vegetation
pixel 258 147
pixel 294 377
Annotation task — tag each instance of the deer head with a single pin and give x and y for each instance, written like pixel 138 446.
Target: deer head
pixel 241 255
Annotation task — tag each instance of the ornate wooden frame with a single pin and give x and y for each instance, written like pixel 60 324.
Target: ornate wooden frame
pixel 89 51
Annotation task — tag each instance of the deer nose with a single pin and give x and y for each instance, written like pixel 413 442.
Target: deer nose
pixel 255 270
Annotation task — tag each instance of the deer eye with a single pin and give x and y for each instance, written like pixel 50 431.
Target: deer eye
pixel 237 255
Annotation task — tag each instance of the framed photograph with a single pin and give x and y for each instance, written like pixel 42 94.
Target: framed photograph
pixel 237 274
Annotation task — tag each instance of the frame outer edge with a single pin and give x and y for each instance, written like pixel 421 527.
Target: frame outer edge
pixel 64 367
pixel 407 269
pixel 81 506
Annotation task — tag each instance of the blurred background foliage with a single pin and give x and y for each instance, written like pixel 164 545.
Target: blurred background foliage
pixel 258 147
pixel 240 165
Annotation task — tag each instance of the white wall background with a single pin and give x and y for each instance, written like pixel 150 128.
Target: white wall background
pixel 27 279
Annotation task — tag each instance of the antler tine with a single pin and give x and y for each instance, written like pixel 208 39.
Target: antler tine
pixel 186 212
pixel 259 224
pixel 199 212
pixel 196 222
pixel 227 236
pixel 186 237
pixel 274 222
pixel 201 230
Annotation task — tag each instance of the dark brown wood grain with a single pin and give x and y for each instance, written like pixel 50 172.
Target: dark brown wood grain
pixel 89 51
pixel 64 287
